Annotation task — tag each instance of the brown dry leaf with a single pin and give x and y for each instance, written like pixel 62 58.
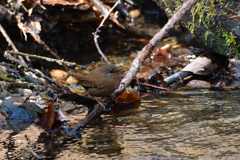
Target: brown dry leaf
pixel 71 80
pixel 48 118
pixel 234 67
pixel 34 23
pixel 30 5
pixel 164 51
pixel 3 113
pixel 162 56
pixel 62 2
pixel 112 18
pixel 31 25
pixel 199 84
pixel 200 66
pixel 128 104
pixel 80 4
pixel 155 78
pixel 128 97
pixel 57 73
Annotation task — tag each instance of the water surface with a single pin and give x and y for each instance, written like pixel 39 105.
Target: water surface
pixel 185 124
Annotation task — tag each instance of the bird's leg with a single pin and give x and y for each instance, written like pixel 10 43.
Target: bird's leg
pixel 100 103
pixel 115 102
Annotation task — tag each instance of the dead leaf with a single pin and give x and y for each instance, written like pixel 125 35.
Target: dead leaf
pixel 162 56
pixel 3 113
pixel 48 118
pixel 71 80
pixel 155 78
pixel 128 104
pixel 200 66
pixel 57 73
pixel 199 84
pixel 30 5
pixel 31 25
pixel 112 18
pixel 163 52
pixel 128 97
pixel 63 3
pixel 234 67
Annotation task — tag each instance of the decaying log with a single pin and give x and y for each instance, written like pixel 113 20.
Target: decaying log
pixel 215 24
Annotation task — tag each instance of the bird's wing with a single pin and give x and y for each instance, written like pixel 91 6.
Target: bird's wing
pixel 88 83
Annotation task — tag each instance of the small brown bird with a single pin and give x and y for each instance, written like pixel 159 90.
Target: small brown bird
pixel 102 81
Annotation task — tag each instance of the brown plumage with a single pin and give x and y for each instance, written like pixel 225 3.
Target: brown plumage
pixel 102 81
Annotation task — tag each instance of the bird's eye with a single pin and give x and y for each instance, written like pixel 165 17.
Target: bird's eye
pixel 111 71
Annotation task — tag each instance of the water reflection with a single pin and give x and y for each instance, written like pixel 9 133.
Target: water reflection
pixel 187 124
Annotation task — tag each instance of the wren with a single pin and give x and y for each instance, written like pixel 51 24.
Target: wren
pixel 102 81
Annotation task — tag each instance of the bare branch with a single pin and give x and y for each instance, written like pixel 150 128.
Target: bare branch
pixel 98 30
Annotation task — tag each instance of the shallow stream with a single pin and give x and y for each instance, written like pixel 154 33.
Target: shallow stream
pixel 185 124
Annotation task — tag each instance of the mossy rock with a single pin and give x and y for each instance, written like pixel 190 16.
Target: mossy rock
pixel 215 24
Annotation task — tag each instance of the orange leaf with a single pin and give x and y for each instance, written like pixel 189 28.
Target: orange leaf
pixel 128 97
pixel 128 104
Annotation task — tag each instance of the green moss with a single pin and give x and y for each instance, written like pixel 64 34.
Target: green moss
pixel 206 36
pixel 206 14
pixel 167 5
pixel 210 14
pixel 230 38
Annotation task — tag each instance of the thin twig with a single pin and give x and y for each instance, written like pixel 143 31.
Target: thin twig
pixel 10 57
pixel 153 86
pixel 53 53
pixel 98 30
pixel 60 62
pixel 4 33
pixel 33 86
